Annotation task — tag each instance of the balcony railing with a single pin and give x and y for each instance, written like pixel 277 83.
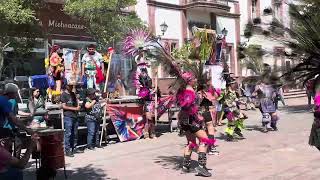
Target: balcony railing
pixel 217 4
pixel 222 2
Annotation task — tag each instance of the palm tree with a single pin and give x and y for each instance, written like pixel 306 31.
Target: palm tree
pixel 305 41
pixel 251 59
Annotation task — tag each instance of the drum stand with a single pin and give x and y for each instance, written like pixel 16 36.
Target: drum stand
pixel 38 157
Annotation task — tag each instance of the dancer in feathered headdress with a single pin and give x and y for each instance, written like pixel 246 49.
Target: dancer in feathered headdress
pixel 134 45
pixel 186 96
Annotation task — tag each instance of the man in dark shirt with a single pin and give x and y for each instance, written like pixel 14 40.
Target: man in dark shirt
pixel 71 107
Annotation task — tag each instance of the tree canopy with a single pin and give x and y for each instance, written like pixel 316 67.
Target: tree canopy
pixel 108 20
pixel 17 20
pixel 305 41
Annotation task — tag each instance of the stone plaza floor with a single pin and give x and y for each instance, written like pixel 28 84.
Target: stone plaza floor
pixel 282 155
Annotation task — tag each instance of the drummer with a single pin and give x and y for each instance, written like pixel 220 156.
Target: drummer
pixel 11 167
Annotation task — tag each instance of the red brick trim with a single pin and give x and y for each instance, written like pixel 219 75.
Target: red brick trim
pixel 232 58
pixel 249 6
pixel 184 25
pixel 281 11
pixel 151 17
pixel 190 5
pixel 258 8
pixel 238 39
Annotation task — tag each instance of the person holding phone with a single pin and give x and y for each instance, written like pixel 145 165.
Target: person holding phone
pixel 71 108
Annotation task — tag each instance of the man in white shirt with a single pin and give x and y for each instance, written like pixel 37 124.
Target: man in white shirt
pixel 90 61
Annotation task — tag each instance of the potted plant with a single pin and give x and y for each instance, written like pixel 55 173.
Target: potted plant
pixel 248 30
pixel 267 11
pixel 257 20
pixel 266 33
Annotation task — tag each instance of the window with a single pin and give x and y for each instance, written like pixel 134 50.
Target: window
pixel 288 65
pixel 277 10
pixel 173 46
pixel 254 8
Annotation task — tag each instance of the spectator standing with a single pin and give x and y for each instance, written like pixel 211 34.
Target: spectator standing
pixel 93 118
pixel 71 108
pixel 93 67
pixel 247 90
pixel 279 97
pixel 310 90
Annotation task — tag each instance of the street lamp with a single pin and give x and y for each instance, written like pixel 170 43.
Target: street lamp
pixel 224 32
pixel 164 28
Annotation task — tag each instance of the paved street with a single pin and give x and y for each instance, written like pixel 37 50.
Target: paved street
pixel 279 155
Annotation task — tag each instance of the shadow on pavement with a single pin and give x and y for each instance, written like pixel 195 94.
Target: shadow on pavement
pixel 296 109
pixel 257 128
pixel 84 173
pixel 224 137
pixel 173 162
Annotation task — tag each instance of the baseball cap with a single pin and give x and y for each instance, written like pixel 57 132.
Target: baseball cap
pixel 11 88
pixel 110 49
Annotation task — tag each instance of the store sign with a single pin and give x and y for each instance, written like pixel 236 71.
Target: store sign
pixel 61 24
pixel 55 21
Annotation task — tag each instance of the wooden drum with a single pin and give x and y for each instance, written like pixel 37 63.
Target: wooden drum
pixel 51 148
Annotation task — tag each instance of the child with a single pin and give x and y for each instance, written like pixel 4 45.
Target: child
pixel 234 115
pixel 93 117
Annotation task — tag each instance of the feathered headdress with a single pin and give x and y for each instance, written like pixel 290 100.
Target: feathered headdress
pixel 135 41
pixel 140 40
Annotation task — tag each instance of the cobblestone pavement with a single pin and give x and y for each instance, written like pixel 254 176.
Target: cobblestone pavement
pixel 282 155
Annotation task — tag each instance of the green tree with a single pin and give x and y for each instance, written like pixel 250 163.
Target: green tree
pixel 251 58
pixel 17 20
pixel 108 20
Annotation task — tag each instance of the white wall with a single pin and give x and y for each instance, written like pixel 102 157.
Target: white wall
pixel 172 19
pixel 244 15
pixel 142 10
pixel 232 7
pixel 265 4
pixel 230 25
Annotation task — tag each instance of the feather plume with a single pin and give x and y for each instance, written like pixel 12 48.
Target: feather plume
pixel 135 42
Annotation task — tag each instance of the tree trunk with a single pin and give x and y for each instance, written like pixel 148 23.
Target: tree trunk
pixel 1 62
pixel 3 46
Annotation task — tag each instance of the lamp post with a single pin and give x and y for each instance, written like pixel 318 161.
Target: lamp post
pixel 224 32
pixel 164 27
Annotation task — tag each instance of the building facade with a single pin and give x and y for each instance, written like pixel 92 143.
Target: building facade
pixel 182 15
pixel 260 14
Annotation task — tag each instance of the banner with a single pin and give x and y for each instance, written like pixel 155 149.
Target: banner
pixel 72 65
pixel 127 120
